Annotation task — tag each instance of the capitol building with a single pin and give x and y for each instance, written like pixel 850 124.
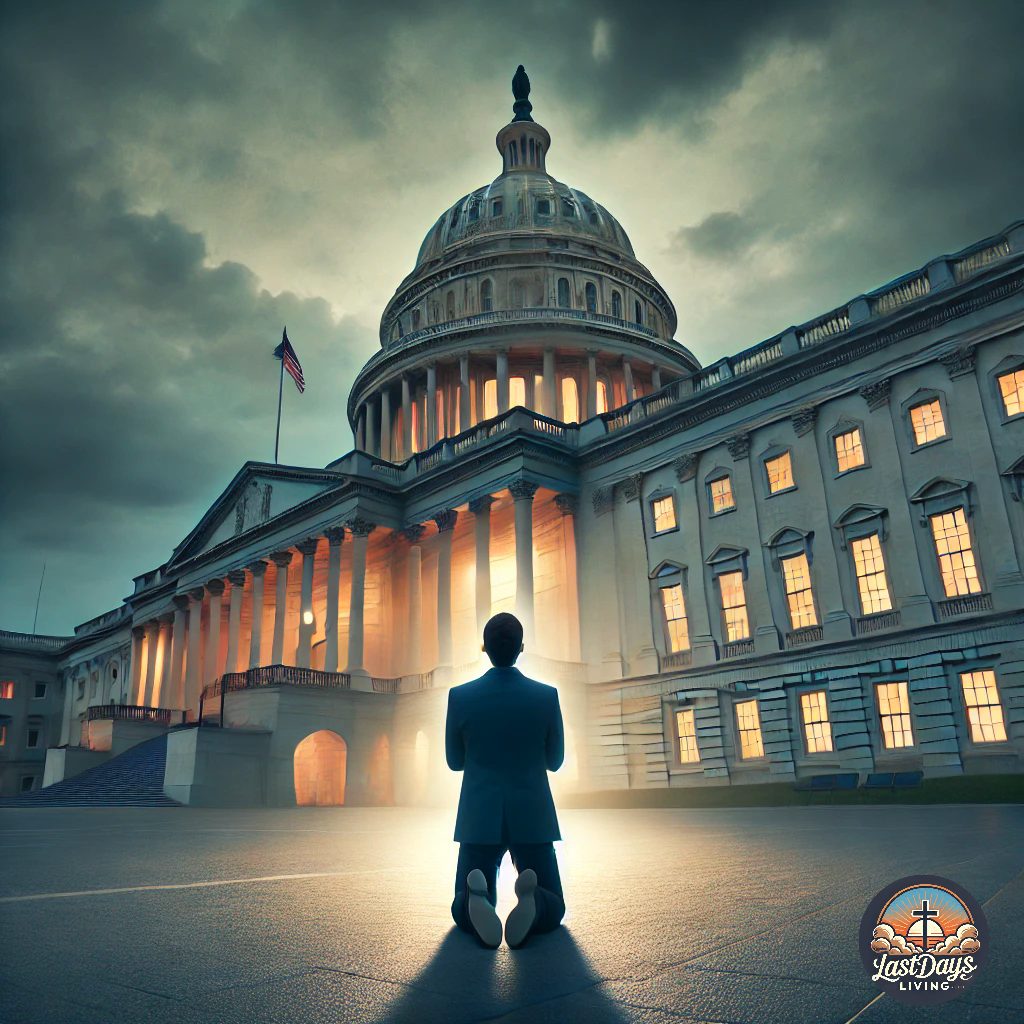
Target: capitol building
pixel 802 559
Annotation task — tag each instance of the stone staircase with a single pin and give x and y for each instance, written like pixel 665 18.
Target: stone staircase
pixel 132 779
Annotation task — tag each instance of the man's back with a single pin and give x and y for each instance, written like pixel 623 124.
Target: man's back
pixel 504 732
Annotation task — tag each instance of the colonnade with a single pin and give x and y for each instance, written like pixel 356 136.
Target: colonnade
pixel 181 650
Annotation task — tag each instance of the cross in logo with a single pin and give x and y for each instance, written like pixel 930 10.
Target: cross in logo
pixel 925 912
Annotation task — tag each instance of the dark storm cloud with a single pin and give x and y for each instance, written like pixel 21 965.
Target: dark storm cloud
pixel 175 175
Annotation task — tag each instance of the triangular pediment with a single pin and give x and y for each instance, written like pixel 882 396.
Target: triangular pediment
pixel 259 492
pixel 859 513
pixel 939 487
pixel 725 553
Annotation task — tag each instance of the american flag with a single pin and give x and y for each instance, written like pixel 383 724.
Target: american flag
pixel 287 355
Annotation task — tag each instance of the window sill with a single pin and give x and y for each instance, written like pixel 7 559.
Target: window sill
pixel 782 490
pixel 723 512
pixel 839 473
pixel 930 444
pixel 665 532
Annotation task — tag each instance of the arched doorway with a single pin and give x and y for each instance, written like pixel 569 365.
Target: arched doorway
pixel 320 761
pixel 379 790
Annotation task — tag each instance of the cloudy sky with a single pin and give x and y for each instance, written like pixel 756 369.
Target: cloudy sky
pixel 181 179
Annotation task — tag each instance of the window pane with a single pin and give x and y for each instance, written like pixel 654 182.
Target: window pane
pixel 849 450
pixel 817 728
pixel 927 422
pixel 602 396
pixel 676 627
pixel 687 732
pixel 872 584
pixel 490 399
pixel 956 556
pixel 780 473
pixel 664 510
pixel 721 494
pixel 734 606
pixel 748 725
pixel 7 689
pixel 570 401
pixel 1011 387
pixel 984 710
pixel 894 714
pixel 796 575
pixel 516 391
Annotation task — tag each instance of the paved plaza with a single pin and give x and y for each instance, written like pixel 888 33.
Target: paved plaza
pixel 341 914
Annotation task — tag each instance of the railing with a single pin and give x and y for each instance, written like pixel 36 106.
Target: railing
pixel 31 642
pixel 807 635
pixel 680 659
pixel 899 295
pixel 875 623
pixel 131 713
pixel 824 328
pixel 737 647
pixel 757 358
pixel 965 605
pixel 278 675
pixel 386 685
pixel 968 265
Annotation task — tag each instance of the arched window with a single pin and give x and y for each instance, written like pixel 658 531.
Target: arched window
pixel 490 398
pixel 617 305
pixel 570 401
pixel 591 295
pixel 602 396
pixel 516 391
pixel 401 329
pixel 532 157
pixel 486 295
pixel 415 319
pixel 563 292
pixel 450 305
pixel 638 311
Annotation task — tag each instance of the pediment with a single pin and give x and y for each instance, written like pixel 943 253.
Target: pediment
pixel 666 568
pixel 725 553
pixel 940 487
pixel 789 535
pixel 859 513
pixel 259 492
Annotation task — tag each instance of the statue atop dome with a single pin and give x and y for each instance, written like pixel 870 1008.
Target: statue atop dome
pixel 521 90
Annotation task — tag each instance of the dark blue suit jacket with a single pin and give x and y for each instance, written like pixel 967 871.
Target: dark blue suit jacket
pixel 504 732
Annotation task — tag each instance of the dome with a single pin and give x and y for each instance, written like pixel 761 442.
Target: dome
pixel 530 201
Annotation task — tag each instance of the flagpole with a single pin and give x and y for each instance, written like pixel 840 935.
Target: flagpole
pixel 35 618
pixel 280 394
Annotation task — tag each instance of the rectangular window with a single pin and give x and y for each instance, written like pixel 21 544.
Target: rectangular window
pixel 664 511
pixel 748 725
pixel 894 714
pixel 796 574
pixel 721 494
pixel 7 689
pixel 33 738
pixel 927 421
pixel 27 782
pixel 3 734
pixel 780 473
pixel 872 584
pixel 817 728
pixel 734 606
pixel 496 208
pixel 1011 387
pixel 984 711
pixel 40 691
pixel 686 730
pixel 849 450
pixel 956 557
pixel 676 627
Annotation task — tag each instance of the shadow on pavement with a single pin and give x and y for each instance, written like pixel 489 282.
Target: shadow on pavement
pixel 549 978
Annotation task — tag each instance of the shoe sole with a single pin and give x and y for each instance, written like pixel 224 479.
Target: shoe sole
pixel 523 914
pixel 482 915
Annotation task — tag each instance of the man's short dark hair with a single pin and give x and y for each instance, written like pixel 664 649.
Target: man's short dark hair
pixel 503 638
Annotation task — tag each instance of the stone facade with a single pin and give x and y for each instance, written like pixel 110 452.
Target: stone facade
pixel 804 558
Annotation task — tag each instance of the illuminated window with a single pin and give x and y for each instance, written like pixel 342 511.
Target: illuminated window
pixel 927 421
pixel 849 450
pixel 956 557
pixel 817 729
pixel 490 399
pixel 516 391
pixel 602 396
pixel 984 712
pixel 748 725
pixel 3 734
pixel 780 473
pixel 734 606
pixel 676 627
pixel 7 689
pixel 686 730
pixel 872 584
pixel 796 575
pixel 664 512
pixel 721 494
pixel 1011 387
pixel 570 401
pixel 894 714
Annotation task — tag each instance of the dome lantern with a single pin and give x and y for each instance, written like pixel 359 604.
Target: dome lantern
pixel 522 143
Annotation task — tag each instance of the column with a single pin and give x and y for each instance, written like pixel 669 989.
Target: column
pixel 550 394
pixel 335 538
pixel 522 492
pixel 385 424
pixel 445 522
pixel 481 509
pixel 568 505
pixel 361 530
pixel 194 668
pixel 414 585
pixel 655 378
pixel 282 559
pixel 627 374
pixel 258 570
pixel 361 428
pixel 591 384
pixel 371 425
pixel 175 685
pixel 162 697
pixel 502 373
pixel 215 588
pixel 135 697
pixel 464 399
pixel 237 579
pixel 406 419
pixel 152 637
pixel 307 620
pixel 431 405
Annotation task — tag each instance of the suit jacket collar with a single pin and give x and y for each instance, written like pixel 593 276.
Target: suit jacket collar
pixel 502 674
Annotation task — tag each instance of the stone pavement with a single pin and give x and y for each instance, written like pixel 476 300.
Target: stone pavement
pixel 341 914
